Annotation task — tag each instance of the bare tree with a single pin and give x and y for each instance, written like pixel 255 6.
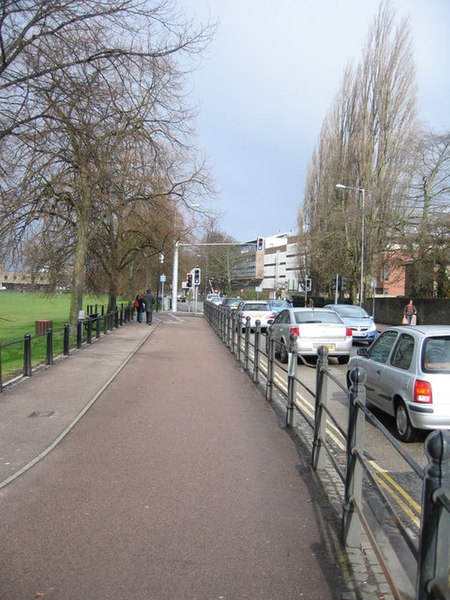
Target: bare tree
pixel 84 108
pixel 366 143
pixel 426 237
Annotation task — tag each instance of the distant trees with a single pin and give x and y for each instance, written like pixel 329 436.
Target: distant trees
pixel 426 236
pixel 368 141
pixel 96 135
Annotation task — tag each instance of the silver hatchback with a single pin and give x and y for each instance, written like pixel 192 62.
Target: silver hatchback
pixel 408 377
pixel 314 327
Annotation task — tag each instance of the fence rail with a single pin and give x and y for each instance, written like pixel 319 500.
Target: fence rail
pixel 431 554
pixel 20 358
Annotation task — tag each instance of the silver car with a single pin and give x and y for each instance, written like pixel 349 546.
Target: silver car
pixel 408 377
pixel 314 327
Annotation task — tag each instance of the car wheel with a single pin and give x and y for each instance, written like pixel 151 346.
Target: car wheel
pixel 283 353
pixel 343 360
pixel 405 431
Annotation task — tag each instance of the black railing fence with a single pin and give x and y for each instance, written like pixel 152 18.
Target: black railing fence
pixel 20 358
pixel 429 548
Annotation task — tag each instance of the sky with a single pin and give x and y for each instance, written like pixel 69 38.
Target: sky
pixel 267 82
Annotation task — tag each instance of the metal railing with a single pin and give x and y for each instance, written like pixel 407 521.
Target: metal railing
pixel 431 550
pixel 35 351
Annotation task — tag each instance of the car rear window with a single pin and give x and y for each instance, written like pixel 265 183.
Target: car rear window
pixel 255 307
pixel 436 355
pixel 316 316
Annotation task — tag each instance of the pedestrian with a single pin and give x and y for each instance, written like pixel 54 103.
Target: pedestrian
pixel 139 305
pixel 410 314
pixel 310 303
pixel 149 300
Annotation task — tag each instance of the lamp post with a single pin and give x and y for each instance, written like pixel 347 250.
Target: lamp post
pixel 340 186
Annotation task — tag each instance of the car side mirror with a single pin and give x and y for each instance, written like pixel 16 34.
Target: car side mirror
pixel 269 321
pixel 363 352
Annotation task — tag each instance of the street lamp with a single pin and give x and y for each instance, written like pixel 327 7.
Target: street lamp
pixel 194 208
pixel 340 186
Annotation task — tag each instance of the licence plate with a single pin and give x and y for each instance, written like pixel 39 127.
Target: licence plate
pixel 327 346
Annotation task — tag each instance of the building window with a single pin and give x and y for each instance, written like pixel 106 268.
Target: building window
pixel 385 273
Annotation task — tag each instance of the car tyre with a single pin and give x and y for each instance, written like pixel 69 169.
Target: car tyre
pixel 343 360
pixel 405 431
pixel 283 353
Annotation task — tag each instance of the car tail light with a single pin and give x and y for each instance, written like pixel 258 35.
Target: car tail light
pixel 422 392
pixel 348 332
pixel 295 330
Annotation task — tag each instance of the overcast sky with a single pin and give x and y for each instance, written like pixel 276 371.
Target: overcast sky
pixel 269 78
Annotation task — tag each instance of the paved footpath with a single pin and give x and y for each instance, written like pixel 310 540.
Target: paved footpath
pixel 178 482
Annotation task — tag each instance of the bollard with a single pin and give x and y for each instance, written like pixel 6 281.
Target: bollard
pixel 292 367
pixel 66 343
pixel 256 360
pixel 27 355
pixel 434 543
pixel 50 346
pixel 318 458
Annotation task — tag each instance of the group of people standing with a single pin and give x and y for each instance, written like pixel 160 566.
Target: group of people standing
pixel 143 303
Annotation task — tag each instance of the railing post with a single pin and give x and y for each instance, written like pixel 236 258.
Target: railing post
pixel 270 364
pixel 97 326
pixel 238 341
pixel 351 525
pixel 292 367
pixel 66 342
pixel 27 355
pixel 116 319
pixel 50 346
pixel 256 349
pixel 246 343
pixel 434 543
pixel 89 331
pixel 233 330
pixel 320 416
pixel 79 333
pixel 105 324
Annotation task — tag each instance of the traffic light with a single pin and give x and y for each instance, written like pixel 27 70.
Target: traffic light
pixel 197 276
pixel 260 244
pixel 189 280
pixel 308 284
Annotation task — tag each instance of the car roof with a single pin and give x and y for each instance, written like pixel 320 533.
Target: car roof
pixel 421 329
pixel 306 309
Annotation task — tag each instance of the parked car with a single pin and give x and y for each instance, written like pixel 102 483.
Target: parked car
pixel 314 327
pixel 256 310
pixel 229 304
pixel 408 377
pixel 277 305
pixel 358 319
pixel 181 297
pixel 214 299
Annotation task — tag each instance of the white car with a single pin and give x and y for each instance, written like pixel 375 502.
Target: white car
pixel 257 310
pixel 314 327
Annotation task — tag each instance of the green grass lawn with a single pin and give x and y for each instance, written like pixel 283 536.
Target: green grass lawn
pixel 19 311
pixel 18 314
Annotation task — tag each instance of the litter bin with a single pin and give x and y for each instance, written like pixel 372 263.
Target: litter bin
pixel 42 326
